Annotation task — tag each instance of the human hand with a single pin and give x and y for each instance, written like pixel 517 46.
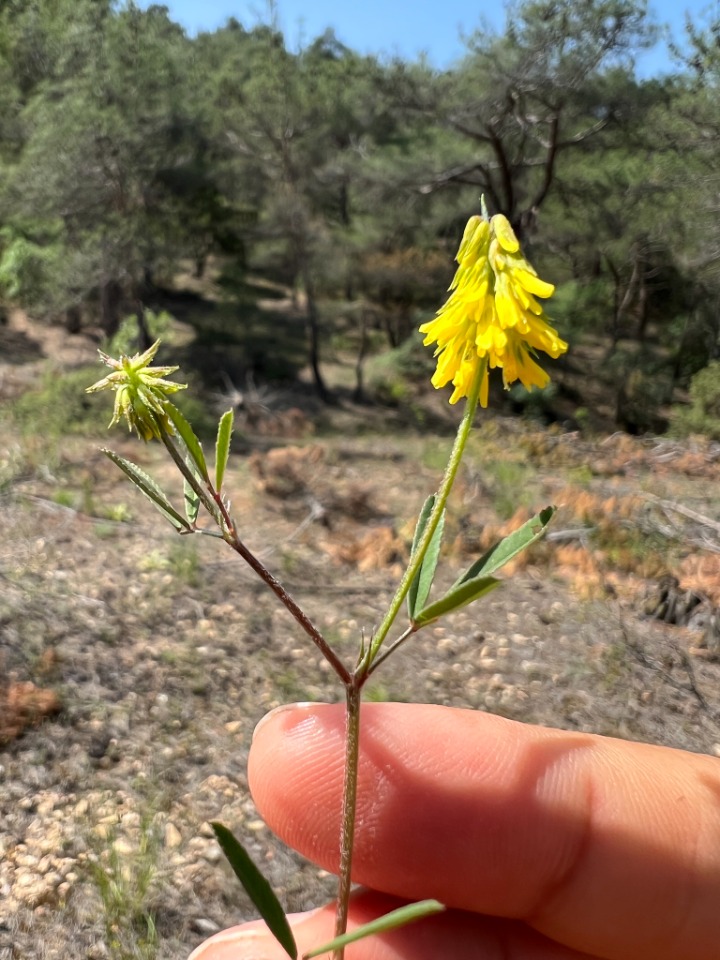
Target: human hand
pixel 543 844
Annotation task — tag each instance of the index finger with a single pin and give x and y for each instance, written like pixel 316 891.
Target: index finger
pixel 608 847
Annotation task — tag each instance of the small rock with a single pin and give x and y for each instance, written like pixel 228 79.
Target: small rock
pixel 532 667
pixel 204 926
pixel 31 891
pixel 173 837
pixel 46 806
pixel 123 847
pixel 26 860
pixel 212 853
pixel 508 695
pixel 551 614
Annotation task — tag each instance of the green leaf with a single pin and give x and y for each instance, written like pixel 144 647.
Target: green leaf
pixel 192 502
pixel 257 888
pixel 455 598
pixel 420 587
pixel 509 547
pixel 222 447
pixel 188 437
pixel 152 491
pixel 392 920
pixel 476 581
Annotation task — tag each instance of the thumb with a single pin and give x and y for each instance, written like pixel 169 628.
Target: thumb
pixel 253 941
pixel 455 933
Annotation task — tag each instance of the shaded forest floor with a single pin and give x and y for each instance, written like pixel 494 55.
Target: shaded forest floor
pixel 152 656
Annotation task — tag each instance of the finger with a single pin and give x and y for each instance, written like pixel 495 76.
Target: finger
pixel 451 934
pixel 609 847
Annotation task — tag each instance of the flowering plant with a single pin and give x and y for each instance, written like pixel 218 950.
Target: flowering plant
pixel 492 319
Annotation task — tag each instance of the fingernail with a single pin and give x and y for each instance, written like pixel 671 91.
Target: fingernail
pixel 283 708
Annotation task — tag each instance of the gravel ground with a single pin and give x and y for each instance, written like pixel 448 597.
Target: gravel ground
pixel 164 653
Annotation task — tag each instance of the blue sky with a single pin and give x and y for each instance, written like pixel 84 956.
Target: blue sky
pixel 404 27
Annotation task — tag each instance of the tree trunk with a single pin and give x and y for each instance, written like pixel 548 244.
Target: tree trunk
pixel 73 319
pixel 110 304
pixel 312 327
pixel 643 313
pixel 359 392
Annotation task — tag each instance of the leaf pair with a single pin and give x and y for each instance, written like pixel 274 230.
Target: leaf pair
pixel 477 579
pixel 196 466
pixel 270 909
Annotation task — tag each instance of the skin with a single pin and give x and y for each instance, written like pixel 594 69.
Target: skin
pixel 543 844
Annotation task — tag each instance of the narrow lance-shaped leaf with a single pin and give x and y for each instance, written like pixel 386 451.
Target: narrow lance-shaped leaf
pixel 392 920
pixel 257 888
pixel 476 581
pixel 222 447
pixel 509 547
pixel 420 587
pixel 152 491
pixel 188 437
pixel 456 598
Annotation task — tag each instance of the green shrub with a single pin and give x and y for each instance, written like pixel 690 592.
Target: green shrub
pixel 578 306
pixel 702 415
pixel 58 405
pixel 392 374
pixel 125 341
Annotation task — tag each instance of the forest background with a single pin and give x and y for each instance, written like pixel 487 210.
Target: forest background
pixel 130 150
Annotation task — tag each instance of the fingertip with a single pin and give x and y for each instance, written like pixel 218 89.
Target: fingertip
pixel 287 716
pixel 253 940
pixel 297 752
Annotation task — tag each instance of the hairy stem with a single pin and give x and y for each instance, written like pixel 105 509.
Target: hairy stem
pixel 349 807
pixel 373 658
pixel 291 605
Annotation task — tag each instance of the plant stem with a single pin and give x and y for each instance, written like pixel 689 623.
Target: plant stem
pixel 440 500
pixel 366 666
pixel 381 657
pixel 206 499
pixel 213 503
pixel 291 605
pixel 349 806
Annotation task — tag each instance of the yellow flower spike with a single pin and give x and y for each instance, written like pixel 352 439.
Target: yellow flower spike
pixel 140 392
pixel 491 318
